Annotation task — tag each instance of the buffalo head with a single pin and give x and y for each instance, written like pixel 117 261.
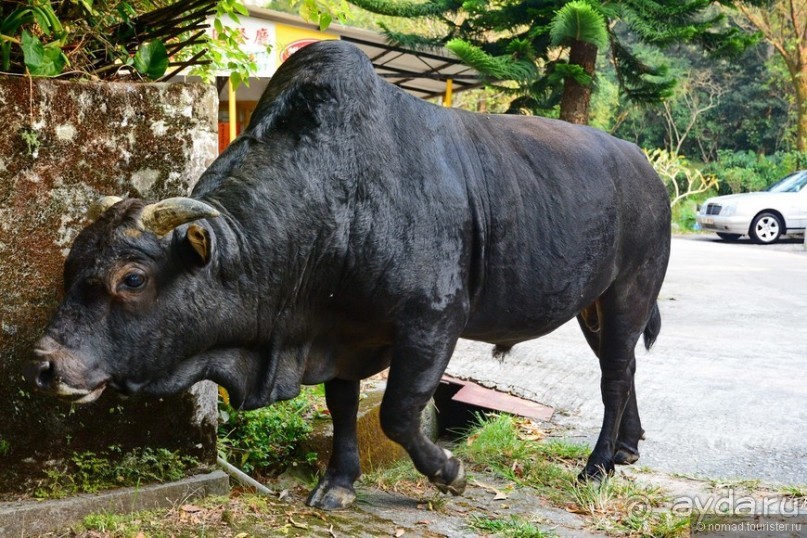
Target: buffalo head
pixel 132 280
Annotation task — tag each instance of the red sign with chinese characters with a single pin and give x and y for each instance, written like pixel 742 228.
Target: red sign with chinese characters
pixel 293 47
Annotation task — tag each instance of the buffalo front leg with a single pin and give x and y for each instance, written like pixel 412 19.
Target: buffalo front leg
pixel 335 488
pixel 415 373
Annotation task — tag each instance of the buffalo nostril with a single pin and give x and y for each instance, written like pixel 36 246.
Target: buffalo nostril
pixel 39 373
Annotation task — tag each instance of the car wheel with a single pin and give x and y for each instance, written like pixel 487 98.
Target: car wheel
pixel 728 237
pixel 766 228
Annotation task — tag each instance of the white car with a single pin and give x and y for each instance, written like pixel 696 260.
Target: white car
pixel 764 216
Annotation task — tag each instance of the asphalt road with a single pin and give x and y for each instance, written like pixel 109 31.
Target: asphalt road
pixel 722 395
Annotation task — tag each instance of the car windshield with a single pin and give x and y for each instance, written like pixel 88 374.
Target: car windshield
pixel 792 183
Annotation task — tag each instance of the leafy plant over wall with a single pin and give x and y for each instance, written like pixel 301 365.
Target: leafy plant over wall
pixel 148 39
pixel 89 472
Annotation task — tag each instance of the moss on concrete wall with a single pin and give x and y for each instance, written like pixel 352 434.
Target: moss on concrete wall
pixel 62 145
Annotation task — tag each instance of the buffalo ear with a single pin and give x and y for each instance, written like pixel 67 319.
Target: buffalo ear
pixel 198 238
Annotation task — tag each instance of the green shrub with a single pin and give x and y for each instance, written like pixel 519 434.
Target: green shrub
pixel 265 440
pixel 746 171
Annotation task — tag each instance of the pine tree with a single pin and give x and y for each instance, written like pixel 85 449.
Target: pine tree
pixel 549 48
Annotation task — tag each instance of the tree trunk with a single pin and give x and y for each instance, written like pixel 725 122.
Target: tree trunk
pixel 800 83
pixel 576 98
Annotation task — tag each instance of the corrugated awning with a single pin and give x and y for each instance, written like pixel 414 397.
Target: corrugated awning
pixel 421 73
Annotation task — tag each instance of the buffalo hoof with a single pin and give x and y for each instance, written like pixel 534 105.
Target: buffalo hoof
pixel 328 496
pixel 455 486
pixel 625 456
pixel 595 473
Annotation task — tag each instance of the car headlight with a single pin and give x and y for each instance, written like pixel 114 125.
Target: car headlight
pixel 728 210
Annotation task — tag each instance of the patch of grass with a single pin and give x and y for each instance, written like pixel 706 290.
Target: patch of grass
pixel 88 472
pixel 734 484
pixel 514 527
pixel 401 476
pixel 795 492
pixel 494 443
pixel 116 524
pixel 617 504
pixel 562 451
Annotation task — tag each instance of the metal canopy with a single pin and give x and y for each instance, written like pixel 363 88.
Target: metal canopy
pixel 424 74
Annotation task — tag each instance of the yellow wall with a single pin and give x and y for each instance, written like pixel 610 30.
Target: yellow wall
pixel 287 35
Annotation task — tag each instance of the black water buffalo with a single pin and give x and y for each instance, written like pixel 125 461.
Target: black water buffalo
pixel 353 227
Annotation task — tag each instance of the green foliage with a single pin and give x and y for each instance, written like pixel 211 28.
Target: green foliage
pixel 496 67
pixel 573 71
pixel 265 440
pixel 746 171
pixel 31 139
pixel 41 60
pixel 151 59
pixel 12 31
pixel 107 40
pixel 224 52
pixel 683 180
pixel 322 12
pixel 513 527
pixel 579 21
pixel 640 81
pixel 750 108
pixel 405 8
pixel 489 34
pixel 88 472
pixel 5 447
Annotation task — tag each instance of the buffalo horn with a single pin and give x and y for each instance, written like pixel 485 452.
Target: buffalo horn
pixel 98 207
pixel 163 216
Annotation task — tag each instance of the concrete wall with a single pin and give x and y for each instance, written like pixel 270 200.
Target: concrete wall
pixel 62 145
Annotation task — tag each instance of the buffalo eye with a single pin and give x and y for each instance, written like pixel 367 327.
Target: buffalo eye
pixel 134 280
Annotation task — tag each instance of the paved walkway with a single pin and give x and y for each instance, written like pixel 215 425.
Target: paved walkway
pixel 724 392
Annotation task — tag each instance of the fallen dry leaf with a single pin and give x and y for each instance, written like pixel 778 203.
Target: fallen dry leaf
pixel 190 508
pixel 399 533
pixel 298 525
pixel 498 495
pixel 574 509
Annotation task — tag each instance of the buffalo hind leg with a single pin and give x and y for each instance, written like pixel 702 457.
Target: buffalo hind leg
pixel 335 488
pixel 630 428
pixel 623 313
pixel 417 365
pixel 630 432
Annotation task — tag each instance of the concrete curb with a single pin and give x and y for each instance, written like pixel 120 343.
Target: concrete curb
pixel 32 518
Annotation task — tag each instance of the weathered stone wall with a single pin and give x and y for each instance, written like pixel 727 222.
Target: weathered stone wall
pixel 62 145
